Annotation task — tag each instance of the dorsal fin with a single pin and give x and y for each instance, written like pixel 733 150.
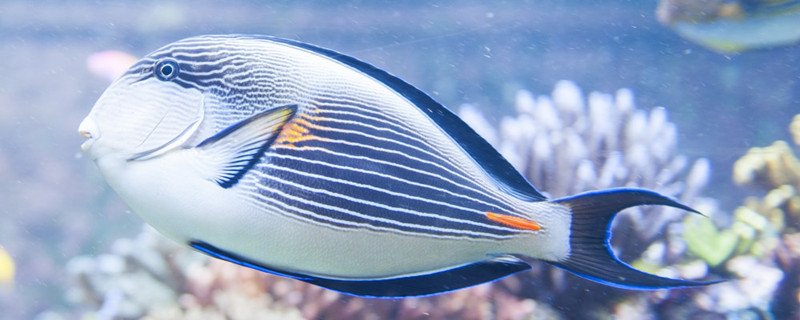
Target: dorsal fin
pixel 506 176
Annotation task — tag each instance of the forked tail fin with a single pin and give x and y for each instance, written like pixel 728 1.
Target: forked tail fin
pixel 590 254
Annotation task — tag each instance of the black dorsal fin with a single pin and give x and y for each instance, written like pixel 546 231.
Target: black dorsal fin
pixel 507 177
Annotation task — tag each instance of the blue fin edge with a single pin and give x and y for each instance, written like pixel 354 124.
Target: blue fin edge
pixel 590 251
pixel 390 288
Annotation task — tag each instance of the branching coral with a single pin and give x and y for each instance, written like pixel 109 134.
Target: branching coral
pixel 566 144
pixel 775 165
pixel 766 228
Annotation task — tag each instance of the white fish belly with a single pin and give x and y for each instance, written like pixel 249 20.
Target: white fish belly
pixel 171 196
pixel 286 243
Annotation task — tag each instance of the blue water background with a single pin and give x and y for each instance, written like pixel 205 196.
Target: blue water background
pixel 54 204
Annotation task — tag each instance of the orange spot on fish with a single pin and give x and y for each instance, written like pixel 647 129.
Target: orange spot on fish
pixel 294 132
pixel 512 221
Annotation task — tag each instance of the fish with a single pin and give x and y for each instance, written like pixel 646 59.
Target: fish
pixel 733 26
pixel 300 161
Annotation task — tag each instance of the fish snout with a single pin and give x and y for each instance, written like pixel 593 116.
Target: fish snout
pixel 88 129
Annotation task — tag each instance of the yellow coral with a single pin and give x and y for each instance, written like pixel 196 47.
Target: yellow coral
pixel 774 166
pixel 761 220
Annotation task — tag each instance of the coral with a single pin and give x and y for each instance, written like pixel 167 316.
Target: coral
pixel 760 221
pixel 775 165
pixel 150 277
pixel 707 242
pixel 568 143
pixel 754 287
pixel 767 231
pixel 137 275
pixel 754 230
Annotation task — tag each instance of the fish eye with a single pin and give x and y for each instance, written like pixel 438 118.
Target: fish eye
pixel 166 70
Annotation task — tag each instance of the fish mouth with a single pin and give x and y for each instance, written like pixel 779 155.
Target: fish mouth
pixel 88 129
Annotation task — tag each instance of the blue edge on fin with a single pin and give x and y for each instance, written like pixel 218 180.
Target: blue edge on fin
pixel 410 286
pixel 590 255
pixel 590 252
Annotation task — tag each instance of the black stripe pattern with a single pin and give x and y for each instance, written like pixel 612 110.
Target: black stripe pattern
pixel 358 153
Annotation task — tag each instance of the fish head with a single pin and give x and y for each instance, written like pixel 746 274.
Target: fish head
pixel 146 112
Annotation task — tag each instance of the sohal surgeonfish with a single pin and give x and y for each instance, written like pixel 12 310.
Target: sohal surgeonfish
pixel 300 161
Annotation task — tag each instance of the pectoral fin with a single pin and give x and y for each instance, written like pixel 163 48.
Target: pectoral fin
pixel 233 151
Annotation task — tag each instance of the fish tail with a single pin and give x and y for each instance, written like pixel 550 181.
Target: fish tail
pixel 590 253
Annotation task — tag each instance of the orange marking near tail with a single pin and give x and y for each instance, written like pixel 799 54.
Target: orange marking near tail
pixel 513 221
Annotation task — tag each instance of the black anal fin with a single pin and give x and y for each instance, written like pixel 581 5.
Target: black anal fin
pixel 233 151
pixel 590 254
pixel 400 287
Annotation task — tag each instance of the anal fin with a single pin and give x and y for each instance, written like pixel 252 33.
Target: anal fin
pixel 399 287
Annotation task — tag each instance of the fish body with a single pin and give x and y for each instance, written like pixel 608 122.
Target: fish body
pixel 297 160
